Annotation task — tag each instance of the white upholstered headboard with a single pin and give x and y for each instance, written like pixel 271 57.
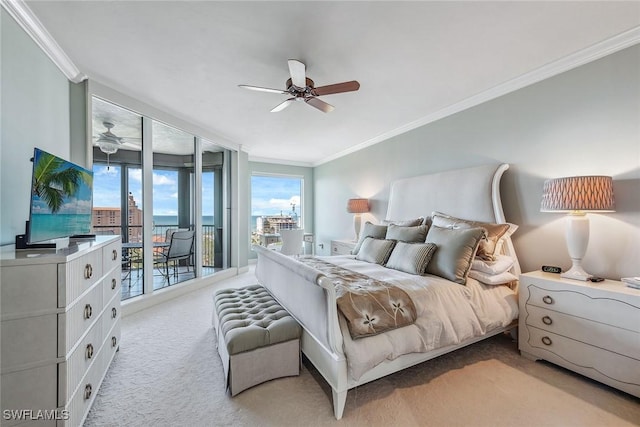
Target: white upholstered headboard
pixel 470 193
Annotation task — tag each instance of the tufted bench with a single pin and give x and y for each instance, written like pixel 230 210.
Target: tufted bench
pixel 257 339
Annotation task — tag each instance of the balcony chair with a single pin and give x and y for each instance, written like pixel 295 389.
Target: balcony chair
pixel 180 247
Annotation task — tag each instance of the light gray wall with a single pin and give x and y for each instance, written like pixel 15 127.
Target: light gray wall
pixel 583 122
pixel 35 113
pixel 307 192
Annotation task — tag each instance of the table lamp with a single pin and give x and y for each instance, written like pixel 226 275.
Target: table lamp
pixel 357 207
pixel 576 196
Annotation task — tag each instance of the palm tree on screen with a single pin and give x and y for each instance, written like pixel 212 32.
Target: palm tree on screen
pixel 52 182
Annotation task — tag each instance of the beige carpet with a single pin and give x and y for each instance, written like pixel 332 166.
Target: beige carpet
pixel 168 373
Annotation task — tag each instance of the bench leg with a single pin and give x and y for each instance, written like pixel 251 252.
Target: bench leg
pixel 339 400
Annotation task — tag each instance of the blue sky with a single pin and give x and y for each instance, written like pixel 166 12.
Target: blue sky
pixel 271 195
pixel 165 189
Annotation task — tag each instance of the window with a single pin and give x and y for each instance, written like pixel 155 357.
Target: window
pixel 177 197
pixel 275 204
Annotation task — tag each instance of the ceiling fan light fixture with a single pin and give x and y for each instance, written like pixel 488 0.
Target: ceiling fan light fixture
pixel 108 142
pixel 107 146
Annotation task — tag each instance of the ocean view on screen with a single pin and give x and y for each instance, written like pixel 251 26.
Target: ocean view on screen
pixel 44 226
pixel 61 198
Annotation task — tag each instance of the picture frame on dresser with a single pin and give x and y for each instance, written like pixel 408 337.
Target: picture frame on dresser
pixel 590 328
pixel 60 328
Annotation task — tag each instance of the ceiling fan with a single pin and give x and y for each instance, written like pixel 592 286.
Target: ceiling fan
pixel 301 88
pixel 107 141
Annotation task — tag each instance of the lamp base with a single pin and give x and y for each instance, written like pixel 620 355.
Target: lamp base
pixel 576 272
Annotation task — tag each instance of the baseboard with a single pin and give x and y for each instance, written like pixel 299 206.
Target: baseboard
pixel 145 301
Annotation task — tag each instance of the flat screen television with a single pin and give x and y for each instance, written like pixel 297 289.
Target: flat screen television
pixel 61 199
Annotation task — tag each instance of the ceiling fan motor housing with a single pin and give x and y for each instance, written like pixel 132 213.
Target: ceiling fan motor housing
pixel 299 90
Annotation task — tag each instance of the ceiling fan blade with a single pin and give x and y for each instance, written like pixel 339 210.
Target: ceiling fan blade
pixel 336 88
pixel 264 89
pixel 283 105
pixel 298 73
pixel 319 104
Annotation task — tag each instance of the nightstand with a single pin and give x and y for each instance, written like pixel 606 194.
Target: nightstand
pixel 589 328
pixel 342 247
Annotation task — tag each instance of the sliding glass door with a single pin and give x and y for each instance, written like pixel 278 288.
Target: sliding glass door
pixel 188 181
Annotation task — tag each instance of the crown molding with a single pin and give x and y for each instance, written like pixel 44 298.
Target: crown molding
pixel 280 161
pixel 574 60
pixel 23 15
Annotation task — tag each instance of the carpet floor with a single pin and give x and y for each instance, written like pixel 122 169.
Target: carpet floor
pixel 168 373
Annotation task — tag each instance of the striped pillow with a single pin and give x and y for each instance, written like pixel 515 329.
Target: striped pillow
pixel 411 258
pixel 376 251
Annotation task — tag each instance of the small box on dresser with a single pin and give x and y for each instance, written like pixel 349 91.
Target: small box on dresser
pixel 60 329
pixel 589 328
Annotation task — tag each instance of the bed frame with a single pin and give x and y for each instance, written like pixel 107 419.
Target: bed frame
pixel 310 297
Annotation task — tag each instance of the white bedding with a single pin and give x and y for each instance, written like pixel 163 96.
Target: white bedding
pixel 448 314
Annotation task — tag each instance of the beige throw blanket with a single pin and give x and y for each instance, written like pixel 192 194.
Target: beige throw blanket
pixel 370 306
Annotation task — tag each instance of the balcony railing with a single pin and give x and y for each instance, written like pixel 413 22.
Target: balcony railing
pixel 133 233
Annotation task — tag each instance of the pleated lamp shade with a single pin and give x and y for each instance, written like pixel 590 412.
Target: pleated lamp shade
pixel 578 193
pixel 358 206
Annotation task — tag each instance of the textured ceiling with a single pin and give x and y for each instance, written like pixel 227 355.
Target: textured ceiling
pixel 412 59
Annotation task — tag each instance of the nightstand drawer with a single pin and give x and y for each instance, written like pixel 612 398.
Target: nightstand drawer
pixel 618 340
pixel 610 368
pixel 604 310
pixel 342 247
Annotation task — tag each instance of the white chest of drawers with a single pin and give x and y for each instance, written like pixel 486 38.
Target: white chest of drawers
pixel 590 328
pixel 60 330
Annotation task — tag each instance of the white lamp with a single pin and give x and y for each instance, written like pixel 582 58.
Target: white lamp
pixel 577 195
pixel 357 207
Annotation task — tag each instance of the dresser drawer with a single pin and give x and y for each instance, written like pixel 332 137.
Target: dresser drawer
pixel 111 256
pixel 72 371
pixel 112 314
pixel 618 340
pixel 28 290
pixel 111 284
pixel 33 389
pixel 75 277
pixel 604 310
pixel 33 339
pixel 610 368
pixel 78 319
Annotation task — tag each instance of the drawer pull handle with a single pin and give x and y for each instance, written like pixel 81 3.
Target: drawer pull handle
pixel 114 312
pixel 88 271
pixel 547 299
pixel 88 311
pixel 546 341
pixel 89 352
pixel 113 284
pixel 114 341
pixel 114 255
pixel 87 391
pixel 547 320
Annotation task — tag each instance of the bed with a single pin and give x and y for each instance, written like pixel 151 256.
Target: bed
pixel 310 294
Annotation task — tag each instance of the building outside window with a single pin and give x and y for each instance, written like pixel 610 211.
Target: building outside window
pixel 275 205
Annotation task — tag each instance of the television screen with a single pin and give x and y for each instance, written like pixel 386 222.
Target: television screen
pixel 61 198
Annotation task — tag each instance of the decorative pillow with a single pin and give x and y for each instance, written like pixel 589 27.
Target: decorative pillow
pixel 405 223
pixel 488 246
pixel 500 265
pixel 369 230
pixel 415 234
pixel 376 251
pixel 456 249
pixel 493 279
pixel 411 257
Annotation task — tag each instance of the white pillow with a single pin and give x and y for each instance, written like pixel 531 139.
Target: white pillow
pixel 492 279
pixel 500 265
